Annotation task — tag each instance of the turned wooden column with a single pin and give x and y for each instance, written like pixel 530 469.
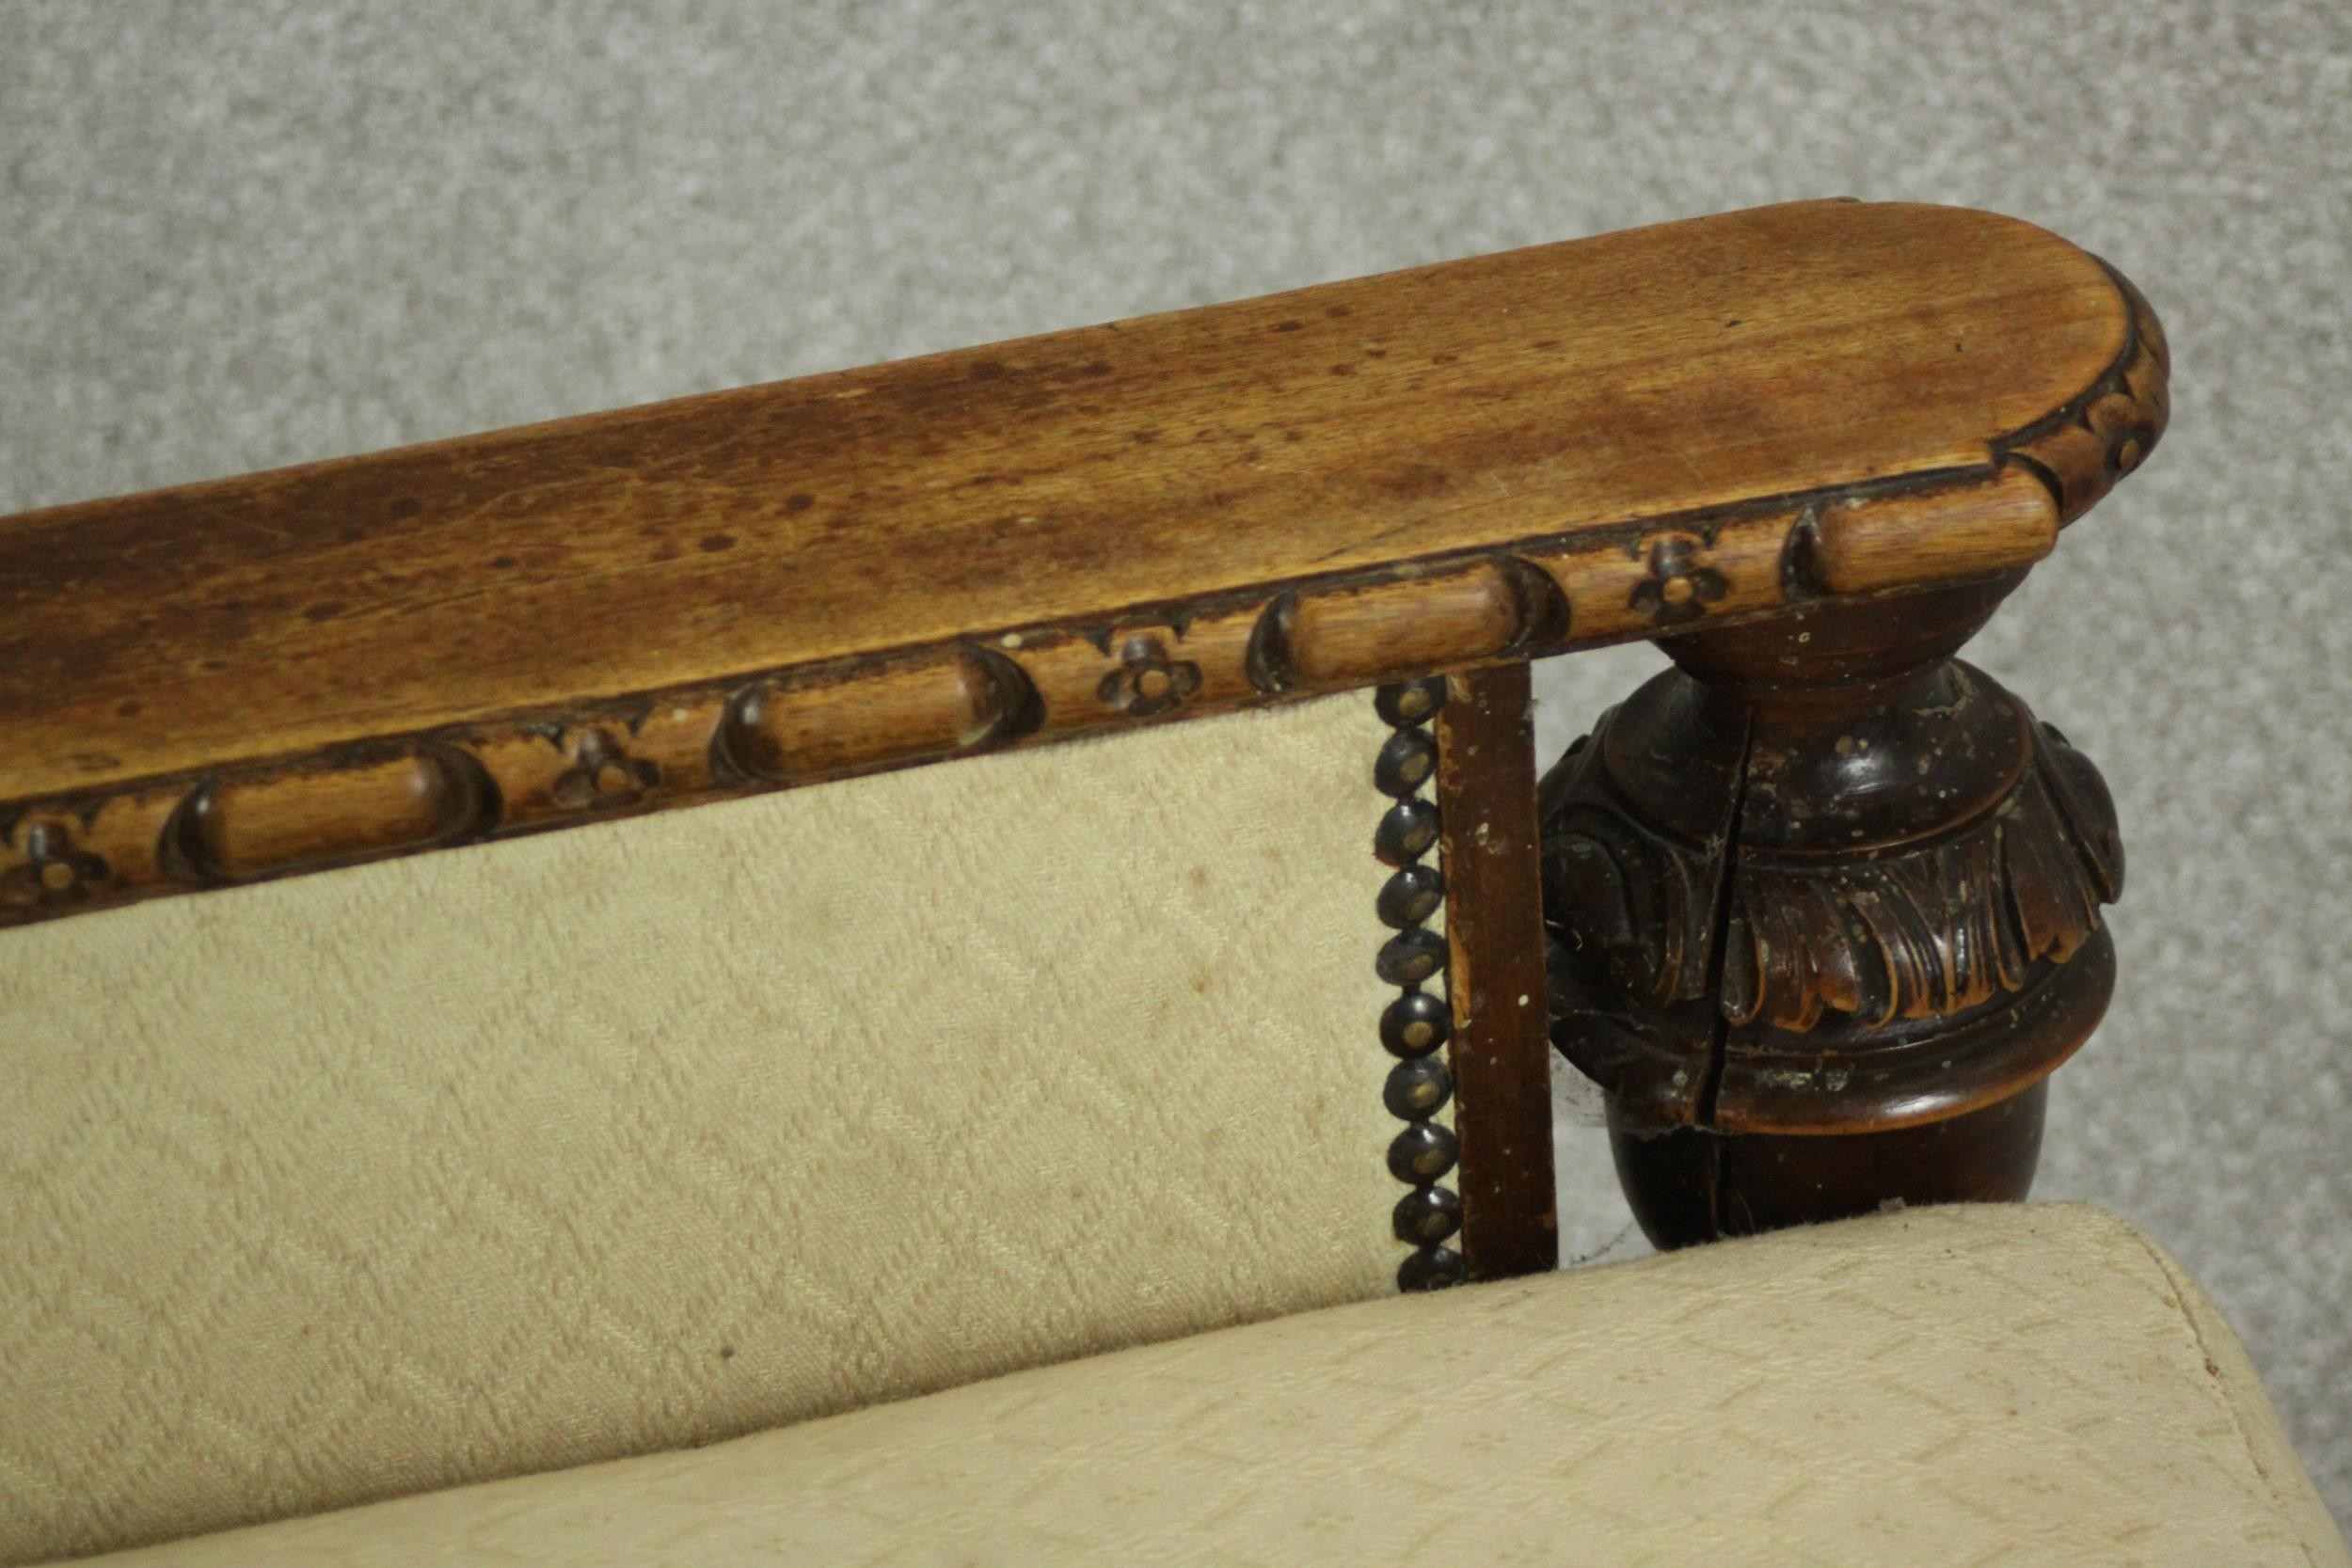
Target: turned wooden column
pixel 1823 914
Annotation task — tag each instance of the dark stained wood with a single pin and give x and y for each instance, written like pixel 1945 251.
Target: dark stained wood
pixel 1502 1051
pixel 1687 1185
pixel 1694 424
pixel 1824 883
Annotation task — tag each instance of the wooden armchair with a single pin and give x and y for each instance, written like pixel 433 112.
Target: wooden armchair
pixel 434 1183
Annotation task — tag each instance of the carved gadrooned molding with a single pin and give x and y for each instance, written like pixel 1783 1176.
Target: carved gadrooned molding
pixel 1322 491
pixel 1766 950
pixel 2082 449
pixel 466 784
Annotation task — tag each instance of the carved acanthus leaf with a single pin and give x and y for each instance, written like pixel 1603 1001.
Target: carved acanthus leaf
pixel 1621 891
pixel 1919 930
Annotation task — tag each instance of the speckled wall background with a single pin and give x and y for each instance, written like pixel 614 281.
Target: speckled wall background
pixel 232 236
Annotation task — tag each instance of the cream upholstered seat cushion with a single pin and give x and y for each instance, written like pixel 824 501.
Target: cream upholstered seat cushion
pixel 1970 1385
pixel 662 1131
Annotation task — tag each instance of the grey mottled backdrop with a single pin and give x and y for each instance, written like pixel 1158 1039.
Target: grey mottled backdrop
pixel 238 235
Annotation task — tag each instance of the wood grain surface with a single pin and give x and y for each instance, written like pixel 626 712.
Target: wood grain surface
pixel 1149 519
pixel 1501 1047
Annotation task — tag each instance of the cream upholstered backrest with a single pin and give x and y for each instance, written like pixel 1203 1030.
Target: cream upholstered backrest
pixel 600 1142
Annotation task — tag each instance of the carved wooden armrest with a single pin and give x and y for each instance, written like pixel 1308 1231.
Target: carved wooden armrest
pixel 1777 439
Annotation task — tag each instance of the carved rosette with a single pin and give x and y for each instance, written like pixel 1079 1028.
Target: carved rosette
pixel 600 773
pixel 49 870
pixel 1765 926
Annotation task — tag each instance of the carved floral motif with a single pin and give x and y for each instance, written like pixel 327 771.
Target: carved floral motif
pixel 1147 681
pixel 1678 588
pixel 53 872
pixel 602 774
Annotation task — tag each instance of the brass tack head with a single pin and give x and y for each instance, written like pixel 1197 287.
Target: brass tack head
pixel 1405 762
pixel 1411 957
pixel 1417 1089
pixel 1410 701
pixel 1410 896
pixel 1415 1024
pixel 56 876
pixel 1432 1268
pixel 611 779
pixel 1428 1215
pixel 1408 830
pixel 1422 1152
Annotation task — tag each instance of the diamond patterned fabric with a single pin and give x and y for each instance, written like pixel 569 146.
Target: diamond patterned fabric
pixel 1957 1388
pixel 667 1130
